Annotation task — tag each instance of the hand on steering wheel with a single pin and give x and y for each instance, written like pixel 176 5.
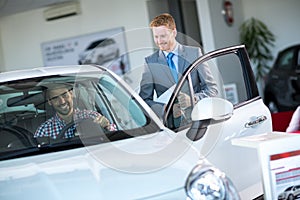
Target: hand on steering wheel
pixel 103 121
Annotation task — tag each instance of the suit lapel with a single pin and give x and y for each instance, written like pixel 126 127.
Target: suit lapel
pixel 182 63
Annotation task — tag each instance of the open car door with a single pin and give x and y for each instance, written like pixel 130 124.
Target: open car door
pixel 237 110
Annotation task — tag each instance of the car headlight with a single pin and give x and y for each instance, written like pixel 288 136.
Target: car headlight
pixel 206 182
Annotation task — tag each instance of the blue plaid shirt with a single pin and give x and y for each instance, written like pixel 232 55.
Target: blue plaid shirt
pixel 53 126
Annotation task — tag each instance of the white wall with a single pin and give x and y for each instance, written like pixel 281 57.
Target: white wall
pixel 281 17
pixel 22 34
pixel 215 32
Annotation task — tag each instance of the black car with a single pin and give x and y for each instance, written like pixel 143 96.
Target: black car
pixel 282 90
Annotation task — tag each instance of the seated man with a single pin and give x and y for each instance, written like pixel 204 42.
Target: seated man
pixel 60 97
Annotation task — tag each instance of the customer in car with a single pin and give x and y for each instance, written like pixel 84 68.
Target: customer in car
pixel 60 97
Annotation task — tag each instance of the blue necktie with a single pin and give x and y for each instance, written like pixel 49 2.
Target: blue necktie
pixel 172 66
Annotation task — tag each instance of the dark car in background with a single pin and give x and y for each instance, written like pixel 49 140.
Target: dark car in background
pixel 282 90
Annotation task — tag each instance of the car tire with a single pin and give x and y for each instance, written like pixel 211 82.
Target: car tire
pixel 290 197
pixel 117 54
pixel 100 60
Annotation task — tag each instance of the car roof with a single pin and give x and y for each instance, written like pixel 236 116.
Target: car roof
pixel 290 47
pixel 46 71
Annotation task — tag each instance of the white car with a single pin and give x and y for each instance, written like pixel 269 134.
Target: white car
pixel 99 52
pixel 144 157
pixel 290 193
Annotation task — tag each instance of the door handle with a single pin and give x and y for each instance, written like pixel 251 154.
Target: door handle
pixel 256 122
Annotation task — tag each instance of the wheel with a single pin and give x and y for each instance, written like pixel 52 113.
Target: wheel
pixel 100 60
pixel 16 137
pixel 88 131
pixel 290 197
pixel 117 54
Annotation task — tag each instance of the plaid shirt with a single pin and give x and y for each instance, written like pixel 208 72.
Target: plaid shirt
pixel 55 124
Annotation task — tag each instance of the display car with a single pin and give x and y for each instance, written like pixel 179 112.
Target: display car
pixel 144 156
pixel 292 192
pixel 282 90
pixel 99 52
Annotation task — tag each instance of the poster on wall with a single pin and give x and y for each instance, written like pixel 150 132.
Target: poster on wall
pixel 106 48
pixel 285 172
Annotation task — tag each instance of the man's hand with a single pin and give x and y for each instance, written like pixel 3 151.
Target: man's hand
pixel 103 121
pixel 184 100
pixel 177 112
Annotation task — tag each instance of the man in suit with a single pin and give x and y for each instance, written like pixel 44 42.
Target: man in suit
pixel 158 77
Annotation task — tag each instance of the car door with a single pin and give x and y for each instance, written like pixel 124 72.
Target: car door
pixel 213 125
pixel 284 78
pixel 296 77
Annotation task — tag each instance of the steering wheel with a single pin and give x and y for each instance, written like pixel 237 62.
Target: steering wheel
pixel 23 135
pixel 87 129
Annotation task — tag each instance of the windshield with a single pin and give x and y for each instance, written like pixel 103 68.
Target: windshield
pixel 41 115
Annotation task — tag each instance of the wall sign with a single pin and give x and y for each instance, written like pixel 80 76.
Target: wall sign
pixel 107 48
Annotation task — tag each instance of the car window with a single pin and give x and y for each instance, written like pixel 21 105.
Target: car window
pixel 118 101
pixel 232 83
pixel 285 61
pixel 7 106
pixel 94 44
pixel 25 107
pixel 289 188
pixel 109 42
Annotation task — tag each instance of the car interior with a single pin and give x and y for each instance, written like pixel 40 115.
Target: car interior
pixel 24 107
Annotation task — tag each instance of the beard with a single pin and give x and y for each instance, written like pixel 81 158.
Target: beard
pixel 164 46
pixel 64 109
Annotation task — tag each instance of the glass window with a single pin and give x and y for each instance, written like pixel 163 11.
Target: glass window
pixel 285 61
pixel 227 82
pixel 120 104
pixel 180 116
pixel 28 112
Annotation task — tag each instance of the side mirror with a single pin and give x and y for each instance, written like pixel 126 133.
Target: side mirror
pixel 207 109
pixel 212 108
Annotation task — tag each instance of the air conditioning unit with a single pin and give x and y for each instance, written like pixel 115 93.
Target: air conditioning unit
pixel 62 10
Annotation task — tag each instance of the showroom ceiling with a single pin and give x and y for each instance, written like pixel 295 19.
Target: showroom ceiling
pixel 9 7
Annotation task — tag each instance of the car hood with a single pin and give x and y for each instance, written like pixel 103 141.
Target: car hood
pixel 78 174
